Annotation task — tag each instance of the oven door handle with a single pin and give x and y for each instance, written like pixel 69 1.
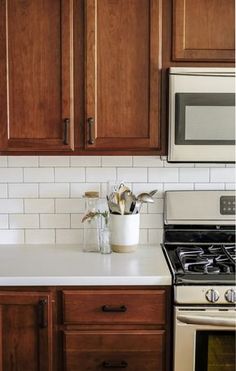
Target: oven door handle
pixel 210 321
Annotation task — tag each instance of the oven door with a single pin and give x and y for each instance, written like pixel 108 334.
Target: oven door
pixel 204 339
pixel 201 117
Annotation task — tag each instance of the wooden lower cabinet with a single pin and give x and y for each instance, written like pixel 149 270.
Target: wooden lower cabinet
pixel 115 349
pixel 25 331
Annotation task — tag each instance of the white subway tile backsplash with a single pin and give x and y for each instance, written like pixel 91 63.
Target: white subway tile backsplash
pixel 196 175
pixel 8 175
pixel 147 161
pixel 40 236
pixel 51 161
pixel 54 190
pixel 71 206
pixel 23 190
pixel 100 174
pixel 41 197
pixel 54 221
pixel 10 236
pixel 132 174
pixel 39 206
pixel 23 161
pixel 17 221
pixel 117 161
pixel 70 236
pixel 69 174
pixel 9 206
pixel 3 190
pixel 37 175
pixel 85 161
pixel 161 175
pixel 3 221
pixel 226 175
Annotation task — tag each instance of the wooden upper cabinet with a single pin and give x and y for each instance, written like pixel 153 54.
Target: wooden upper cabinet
pixel 122 74
pixel 25 331
pixel 36 75
pixel 204 30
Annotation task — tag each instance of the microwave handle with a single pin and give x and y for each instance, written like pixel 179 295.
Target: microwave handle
pixel 204 320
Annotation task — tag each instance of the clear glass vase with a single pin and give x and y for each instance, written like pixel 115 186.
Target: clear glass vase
pixel 104 240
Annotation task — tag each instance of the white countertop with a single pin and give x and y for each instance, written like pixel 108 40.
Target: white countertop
pixel 44 265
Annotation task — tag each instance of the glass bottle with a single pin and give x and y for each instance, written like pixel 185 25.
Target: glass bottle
pixel 91 226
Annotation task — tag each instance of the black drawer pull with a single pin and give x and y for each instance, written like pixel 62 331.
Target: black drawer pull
pixel 110 308
pixel 111 364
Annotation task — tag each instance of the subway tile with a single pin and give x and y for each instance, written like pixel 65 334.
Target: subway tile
pixel 209 186
pixel 148 187
pixel 54 161
pixel 151 221
pixel 11 175
pixel 155 236
pixel 11 206
pixel 8 236
pixel 230 165
pixel 196 175
pixel 226 175
pixel 17 221
pixel 54 190
pixel 3 190
pixel 161 175
pixel 76 221
pixel 132 174
pixel 147 161
pixel 37 175
pixel 23 190
pixel 100 174
pixel 122 161
pixel 209 165
pixel 157 207
pixel 70 236
pixel 88 161
pixel 39 206
pixel 74 205
pixel 54 221
pixel 70 174
pixel 143 236
pixel 23 161
pixel 230 187
pixel 3 221
pixel 78 189
pixel 3 161
pixel 39 236
pixel 178 186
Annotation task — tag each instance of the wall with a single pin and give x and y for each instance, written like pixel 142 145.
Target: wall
pixel 41 197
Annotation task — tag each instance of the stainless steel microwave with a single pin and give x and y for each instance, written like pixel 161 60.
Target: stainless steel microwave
pixel 201 115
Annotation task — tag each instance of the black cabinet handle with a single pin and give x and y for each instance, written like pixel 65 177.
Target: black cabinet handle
pixel 110 308
pixel 111 364
pixel 43 323
pixel 90 132
pixel 66 129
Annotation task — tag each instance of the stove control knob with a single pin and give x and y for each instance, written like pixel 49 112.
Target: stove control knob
pixel 212 295
pixel 230 296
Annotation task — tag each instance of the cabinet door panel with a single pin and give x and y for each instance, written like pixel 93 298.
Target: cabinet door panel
pixel 122 74
pixel 36 74
pixel 101 350
pixel 203 30
pixel 25 341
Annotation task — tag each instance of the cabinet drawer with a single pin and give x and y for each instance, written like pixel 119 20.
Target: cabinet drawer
pixel 114 307
pixel 107 350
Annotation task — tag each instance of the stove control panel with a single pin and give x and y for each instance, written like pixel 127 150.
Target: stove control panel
pixel 230 296
pixel 227 205
pixel 212 296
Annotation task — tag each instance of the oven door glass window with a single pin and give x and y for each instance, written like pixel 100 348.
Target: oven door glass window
pixel 215 351
pixel 204 118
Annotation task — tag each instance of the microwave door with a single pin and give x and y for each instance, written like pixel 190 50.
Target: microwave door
pixel 202 124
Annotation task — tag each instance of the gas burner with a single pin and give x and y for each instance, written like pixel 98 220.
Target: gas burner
pixel 193 250
pixel 213 249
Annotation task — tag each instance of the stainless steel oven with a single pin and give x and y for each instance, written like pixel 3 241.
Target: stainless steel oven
pixel 204 339
pixel 201 115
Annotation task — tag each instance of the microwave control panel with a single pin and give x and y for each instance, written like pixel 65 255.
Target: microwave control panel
pixel 227 205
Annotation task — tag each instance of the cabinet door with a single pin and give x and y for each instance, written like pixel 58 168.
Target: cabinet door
pixel 203 30
pixel 36 97
pixel 25 331
pixel 122 74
